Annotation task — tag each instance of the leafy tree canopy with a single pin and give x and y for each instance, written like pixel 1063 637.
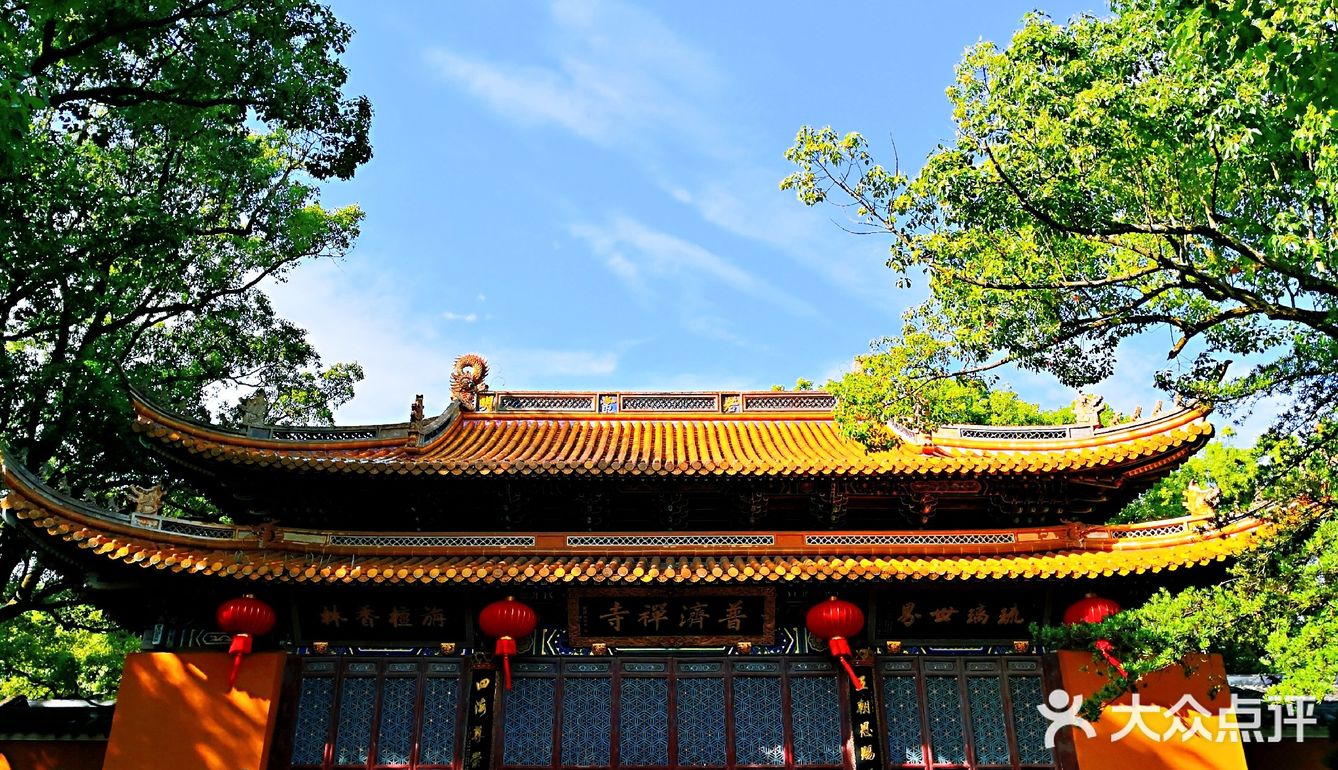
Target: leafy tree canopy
pixel 50 656
pixel 159 163
pixel 1231 473
pixel 865 411
pixel 1172 167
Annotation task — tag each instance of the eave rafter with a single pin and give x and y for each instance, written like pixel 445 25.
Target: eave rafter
pixel 272 554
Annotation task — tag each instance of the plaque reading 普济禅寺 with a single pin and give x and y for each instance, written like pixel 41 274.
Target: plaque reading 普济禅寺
pixel 650 617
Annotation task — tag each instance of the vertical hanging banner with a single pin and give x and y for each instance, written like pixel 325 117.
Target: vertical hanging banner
pixel 864 726
pixel 480 703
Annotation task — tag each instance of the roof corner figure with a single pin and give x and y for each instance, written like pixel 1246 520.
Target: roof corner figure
pixel 467 380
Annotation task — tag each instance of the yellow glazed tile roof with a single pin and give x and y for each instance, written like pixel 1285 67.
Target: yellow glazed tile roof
pixel 309 556
pixel 777 443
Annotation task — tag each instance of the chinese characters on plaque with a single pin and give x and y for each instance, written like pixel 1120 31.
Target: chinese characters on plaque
pixel 482 693
pixel 957 615
pixel 864 724
pixel 650 617
pixel 351 617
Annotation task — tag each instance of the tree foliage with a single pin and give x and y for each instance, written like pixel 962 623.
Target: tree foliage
pixel 1172 167
pixel 1232 472
pixel 865 411
pixel 80 653
pixel 160 163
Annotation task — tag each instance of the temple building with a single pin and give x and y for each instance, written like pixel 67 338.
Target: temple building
pixel 628 580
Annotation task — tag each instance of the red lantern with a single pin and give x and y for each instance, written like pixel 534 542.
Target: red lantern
pixel 1094 609
pixel 836 621
pixel 244 617
pixel 507 620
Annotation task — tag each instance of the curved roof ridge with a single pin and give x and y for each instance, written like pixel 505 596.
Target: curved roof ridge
pixel 1038 437
pixel 601 444
pixel 741 406
pixel 288 437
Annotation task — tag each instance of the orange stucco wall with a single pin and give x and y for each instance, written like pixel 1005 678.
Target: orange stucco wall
pixel 51 755
pixel 176 710
pixel 1138 751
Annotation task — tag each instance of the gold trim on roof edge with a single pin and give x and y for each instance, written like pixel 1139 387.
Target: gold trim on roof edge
pixel 308 556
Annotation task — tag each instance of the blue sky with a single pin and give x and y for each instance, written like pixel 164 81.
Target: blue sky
pixel 586 193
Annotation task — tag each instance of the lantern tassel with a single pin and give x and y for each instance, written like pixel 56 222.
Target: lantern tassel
pixel 859 684
pixel 1107 649
pixel 506 647
pixel 241 647
pixel 841 649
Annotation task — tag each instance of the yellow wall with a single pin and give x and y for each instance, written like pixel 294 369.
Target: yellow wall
pixel 1137 751
pixel 176 710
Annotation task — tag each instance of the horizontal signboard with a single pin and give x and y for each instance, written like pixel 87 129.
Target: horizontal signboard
pixel 350 616
pixel 650 617
pixel 940 613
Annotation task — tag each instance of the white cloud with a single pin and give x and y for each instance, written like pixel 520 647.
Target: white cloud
pixel 526 365
pixel 746 203
pixel 625 269
pixel 641 255
pixel 614 73
pixel 617 76
pixel 529 94
pixel 468 318
pixel 717 328
pixel 834 370
pixel 404 354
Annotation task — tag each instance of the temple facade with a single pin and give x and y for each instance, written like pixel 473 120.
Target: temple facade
pixel 677 556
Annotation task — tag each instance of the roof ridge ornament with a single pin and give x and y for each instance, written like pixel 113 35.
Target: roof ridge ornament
pixel 146 499
pixel 467 380
pixel 414 433
pixel 1087 409
pixel 255 409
